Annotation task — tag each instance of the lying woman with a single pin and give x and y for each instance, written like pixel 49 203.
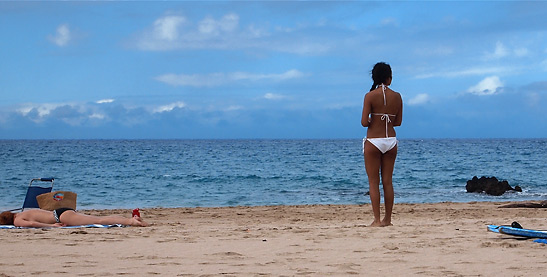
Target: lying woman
pixel 63 217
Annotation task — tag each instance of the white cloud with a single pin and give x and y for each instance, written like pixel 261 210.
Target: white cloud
pixel 474 71
pixel 97 116
pixel 488 86
pixel 521 52
pixel 227 23
pixel 68 112
pixel 167 33
pixel 233 108
pixel 42 110
pixel 194 80
pixel 80 114
pixel 419 99
pixel 62 36
pixel 273 96
pixel 305 48
pixel 167 28
pixel 500 51
pixel 169 107
pixel 103 101
pixel 217 79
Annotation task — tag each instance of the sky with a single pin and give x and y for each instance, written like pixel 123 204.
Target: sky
pixel 269 70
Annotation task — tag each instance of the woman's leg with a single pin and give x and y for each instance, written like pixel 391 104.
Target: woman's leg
pixel 388 163
pixel 72 218
pixel 373 158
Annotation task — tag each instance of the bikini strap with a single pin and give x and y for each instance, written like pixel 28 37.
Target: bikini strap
pixel 386 118
pixel 384 92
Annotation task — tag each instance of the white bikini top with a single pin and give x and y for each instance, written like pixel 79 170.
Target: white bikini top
pixel 385 116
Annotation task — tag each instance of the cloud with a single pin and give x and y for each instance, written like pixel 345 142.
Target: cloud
pixel 273 96
pixel 103 101
pixel 81 114
pixel 71 114
pixel 167 28
pixel 419 99
pixel 522 52
pixel 474 71
pixel 217 79
pixel 227 23
pixel 37 111
pixel 488 86
pixel 169 33
pixel 97 116
pixel 233 108
pixel 169 107
pixel 62 36
pixel 499 52
pixel 177 33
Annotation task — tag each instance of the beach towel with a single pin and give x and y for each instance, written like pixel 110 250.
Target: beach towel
pixel 66 227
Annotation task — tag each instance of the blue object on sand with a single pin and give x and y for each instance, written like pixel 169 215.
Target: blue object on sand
pixel 528 233
pixel 541 241
pixel 493 228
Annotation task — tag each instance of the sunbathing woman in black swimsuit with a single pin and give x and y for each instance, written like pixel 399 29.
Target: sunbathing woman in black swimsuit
pixel 63 217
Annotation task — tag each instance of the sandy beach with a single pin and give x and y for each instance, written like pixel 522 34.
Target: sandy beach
pixel 443 239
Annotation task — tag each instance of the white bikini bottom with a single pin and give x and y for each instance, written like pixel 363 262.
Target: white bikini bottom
pixel 383 144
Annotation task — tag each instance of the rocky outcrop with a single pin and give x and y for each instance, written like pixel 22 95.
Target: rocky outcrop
pixel 489 185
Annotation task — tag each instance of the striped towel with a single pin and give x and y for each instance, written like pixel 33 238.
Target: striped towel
pixel 66 227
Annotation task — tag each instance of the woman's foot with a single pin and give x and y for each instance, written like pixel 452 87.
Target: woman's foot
pixel 376 223
pixel 137 221
pixel 383 223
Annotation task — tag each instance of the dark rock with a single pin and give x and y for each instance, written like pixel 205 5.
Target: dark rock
pixel 489 185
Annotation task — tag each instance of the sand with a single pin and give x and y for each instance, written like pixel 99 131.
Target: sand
pixel 444 239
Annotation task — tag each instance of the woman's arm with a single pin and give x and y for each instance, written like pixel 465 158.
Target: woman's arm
pixel 399 116
pixel 366 112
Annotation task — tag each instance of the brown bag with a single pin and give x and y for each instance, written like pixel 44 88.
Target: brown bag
pixel 57 199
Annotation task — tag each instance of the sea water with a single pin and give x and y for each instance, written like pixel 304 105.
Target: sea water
pixel 215 173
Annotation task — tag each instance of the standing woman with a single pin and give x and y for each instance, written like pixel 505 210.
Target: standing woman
pixel 382 110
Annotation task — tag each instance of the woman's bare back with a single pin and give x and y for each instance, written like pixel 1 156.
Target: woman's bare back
pixel 374 109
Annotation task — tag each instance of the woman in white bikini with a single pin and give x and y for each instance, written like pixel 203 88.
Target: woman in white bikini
pixel 382 110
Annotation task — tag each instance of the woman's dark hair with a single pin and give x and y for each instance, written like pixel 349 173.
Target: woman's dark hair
pixel 380 73
pixel 6 218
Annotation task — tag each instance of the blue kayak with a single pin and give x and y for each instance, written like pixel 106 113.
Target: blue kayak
pixel 521 232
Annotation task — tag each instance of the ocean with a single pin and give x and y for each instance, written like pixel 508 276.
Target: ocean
pixel 215 173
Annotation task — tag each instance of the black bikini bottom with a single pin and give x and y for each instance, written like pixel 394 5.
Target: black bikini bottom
pixel 57 213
